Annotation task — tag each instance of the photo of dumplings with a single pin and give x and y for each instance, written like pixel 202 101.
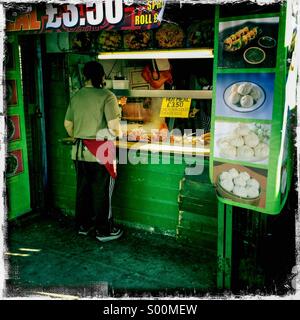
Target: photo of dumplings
pixel 242 141
pixel 242 185
pixel 244 96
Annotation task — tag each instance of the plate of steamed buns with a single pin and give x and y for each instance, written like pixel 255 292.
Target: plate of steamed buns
pixel 244 96
pixel 245 142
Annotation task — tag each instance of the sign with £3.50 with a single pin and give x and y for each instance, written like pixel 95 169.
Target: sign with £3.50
pixel 91 16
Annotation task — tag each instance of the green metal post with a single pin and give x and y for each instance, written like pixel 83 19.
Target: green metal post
pixel 224 252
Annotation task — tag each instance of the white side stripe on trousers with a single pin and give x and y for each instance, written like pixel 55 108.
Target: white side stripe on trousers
pixel 111 189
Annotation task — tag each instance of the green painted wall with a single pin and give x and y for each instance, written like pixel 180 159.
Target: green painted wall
pixel 17 183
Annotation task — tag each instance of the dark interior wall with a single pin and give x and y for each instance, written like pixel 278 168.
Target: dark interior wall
pixel 60 167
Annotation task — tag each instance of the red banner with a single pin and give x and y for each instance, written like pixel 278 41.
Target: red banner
pixel 92 16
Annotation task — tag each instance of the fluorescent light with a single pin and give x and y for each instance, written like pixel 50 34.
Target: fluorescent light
pixel 29 249
pixel 158 54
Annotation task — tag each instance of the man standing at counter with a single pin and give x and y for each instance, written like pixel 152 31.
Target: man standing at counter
pixel 93 113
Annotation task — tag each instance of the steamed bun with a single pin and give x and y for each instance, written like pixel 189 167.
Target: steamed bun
pixel 251 140
pixel 234 88
pixel 224 143
pixel 246 101
pixel 244 88
pixel 242 129
pixel 255 94
pixel 237 141
pixel 240 191
pixel 244 175
pixel 233 173
pixel 253 183
pixel 227 184
pixel 230 151
pixel 238 181
pixel 252 192
pixel 261 150
pixel 234 98
pixel 245 152
pixel 225 176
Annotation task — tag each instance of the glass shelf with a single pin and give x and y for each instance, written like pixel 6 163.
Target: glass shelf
pixel 193 94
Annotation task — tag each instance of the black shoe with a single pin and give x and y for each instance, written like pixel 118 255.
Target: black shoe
pixel 114 234
pixel 84 231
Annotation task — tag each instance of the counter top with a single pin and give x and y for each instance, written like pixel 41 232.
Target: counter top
pixel 157 147
pixel 165 148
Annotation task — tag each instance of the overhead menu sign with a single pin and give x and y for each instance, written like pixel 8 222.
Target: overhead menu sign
pixel 88 17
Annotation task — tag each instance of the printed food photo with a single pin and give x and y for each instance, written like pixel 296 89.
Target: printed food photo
pixel 242 184
pixel 248 43
pixel 245 95
pixel 243 141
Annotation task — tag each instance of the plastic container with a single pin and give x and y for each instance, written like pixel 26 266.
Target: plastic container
pixel 120 84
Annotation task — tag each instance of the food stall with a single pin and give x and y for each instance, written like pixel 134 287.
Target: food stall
pixel 206 123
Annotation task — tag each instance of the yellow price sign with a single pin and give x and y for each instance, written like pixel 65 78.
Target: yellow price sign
pixel 175 107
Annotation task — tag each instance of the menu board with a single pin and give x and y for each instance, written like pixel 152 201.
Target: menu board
pixel 249 118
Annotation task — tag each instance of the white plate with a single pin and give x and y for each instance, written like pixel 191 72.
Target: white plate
pixel 249 159
pixel 237 107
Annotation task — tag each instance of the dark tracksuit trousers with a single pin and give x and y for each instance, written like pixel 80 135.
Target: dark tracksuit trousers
pixel 93 196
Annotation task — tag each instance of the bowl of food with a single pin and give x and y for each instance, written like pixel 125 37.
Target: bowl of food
pixel 267 42
pixel 239 186
pixel 170 36
pixel 109 40
pixel 138 39
pixel 244 96
pixel 254 55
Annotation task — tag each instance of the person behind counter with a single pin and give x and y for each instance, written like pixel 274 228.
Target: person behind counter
pixel 93 113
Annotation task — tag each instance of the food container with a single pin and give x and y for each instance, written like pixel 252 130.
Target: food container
pixel 254 55
pixel 229 195
pixel 120 84
pixel 267 42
